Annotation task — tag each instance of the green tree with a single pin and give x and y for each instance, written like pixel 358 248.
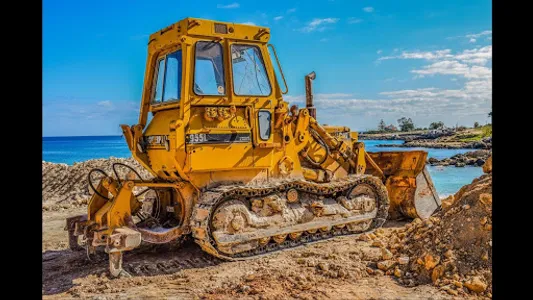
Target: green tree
pixel 476 124
pixel 382 126
pixel 406 124
pixel 436 125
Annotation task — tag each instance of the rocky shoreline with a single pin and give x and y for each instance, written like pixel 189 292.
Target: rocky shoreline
pixel 473 158
pixel 446 139
pixel 441 145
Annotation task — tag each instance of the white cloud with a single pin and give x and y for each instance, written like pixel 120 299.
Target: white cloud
pixel 429 55
pixel 291 10
pixel 379 51
pixel 354 20
pixel 319 24
pixel 479 56
pixel 249 23
pixel 368 9
pixel 278 18
pixel 476 35
pixel 227 6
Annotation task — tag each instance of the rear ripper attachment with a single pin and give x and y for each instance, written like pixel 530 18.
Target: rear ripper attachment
pixel 124 212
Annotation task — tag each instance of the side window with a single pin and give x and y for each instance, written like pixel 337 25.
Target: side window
pixel 168 81
pixel 264 124
pixel 159 84
pixel 209 69
pixel 249 74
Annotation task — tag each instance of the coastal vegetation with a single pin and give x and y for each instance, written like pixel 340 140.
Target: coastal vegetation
pixel 406 125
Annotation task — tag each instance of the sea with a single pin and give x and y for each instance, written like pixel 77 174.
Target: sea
pixel 70 150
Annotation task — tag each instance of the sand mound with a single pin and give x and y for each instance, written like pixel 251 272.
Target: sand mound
pixel 65 186
pixel 452 249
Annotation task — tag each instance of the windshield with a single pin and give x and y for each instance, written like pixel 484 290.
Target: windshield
pixel 249 74
pixel 209 69
pixel 168 84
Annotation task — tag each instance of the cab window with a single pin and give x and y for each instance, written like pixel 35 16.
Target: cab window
pixel 249 73
pixel 209 69
pixel 168 80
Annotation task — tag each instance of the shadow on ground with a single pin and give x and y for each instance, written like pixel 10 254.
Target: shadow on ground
pixel 62 267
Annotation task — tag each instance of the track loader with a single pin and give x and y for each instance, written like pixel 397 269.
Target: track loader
pixel 233 165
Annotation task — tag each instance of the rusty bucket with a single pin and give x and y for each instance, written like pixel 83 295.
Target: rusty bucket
pixel 411 190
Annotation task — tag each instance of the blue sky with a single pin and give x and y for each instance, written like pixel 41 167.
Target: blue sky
pixel 428 60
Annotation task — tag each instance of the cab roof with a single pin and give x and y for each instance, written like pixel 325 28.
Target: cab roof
pixel 210 28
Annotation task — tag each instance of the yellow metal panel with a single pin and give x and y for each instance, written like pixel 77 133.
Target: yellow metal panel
pixel 223 157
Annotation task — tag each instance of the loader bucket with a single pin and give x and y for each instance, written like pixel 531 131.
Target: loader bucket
pixel 411 190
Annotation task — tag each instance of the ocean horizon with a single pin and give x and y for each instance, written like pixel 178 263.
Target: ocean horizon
pixel 74 149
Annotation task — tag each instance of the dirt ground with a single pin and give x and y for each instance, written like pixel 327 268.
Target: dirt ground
pixel 338 268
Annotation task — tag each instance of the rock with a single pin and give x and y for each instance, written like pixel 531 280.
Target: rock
pixel 466 206
pixel 475 284
pixel 370 271
pixel 447 202
pixel 486 199
pixel 378 243
pixel 450 291
pixel 480 162
pixel 483 220
pixel 437 273
pixel 364 237
pixel 433 160
pixel 458 284
pixel 459 164
pixel 487 167
pixel 386 264
pixel 431 261
pixel 386 254
pixel 249 277
pixel 398 273
pixel 448 254
pixel 403 260
pixel 323 266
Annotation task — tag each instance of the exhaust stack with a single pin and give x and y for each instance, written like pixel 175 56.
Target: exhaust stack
pixel 309 93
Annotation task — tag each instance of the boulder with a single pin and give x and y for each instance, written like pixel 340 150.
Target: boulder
pixel 433 160
pixel 487 167
pixel 476 284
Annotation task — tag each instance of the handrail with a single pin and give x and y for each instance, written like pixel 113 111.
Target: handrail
pixel 280 70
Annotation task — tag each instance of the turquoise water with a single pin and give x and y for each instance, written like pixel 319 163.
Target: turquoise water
pixel 69 150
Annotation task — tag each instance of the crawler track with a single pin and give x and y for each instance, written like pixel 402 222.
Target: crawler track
pixel 213 198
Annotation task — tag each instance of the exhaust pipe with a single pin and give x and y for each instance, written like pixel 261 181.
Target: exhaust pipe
pixel 309 94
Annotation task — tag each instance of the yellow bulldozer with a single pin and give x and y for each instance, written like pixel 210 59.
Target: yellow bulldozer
pixel 233 165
